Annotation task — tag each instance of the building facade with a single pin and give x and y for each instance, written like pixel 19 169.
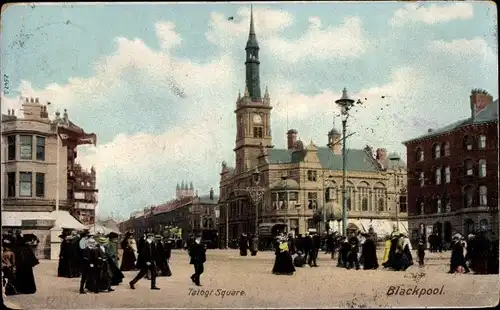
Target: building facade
pixel 190 212
pixel 302 184
pixel 453 174
pixel 36 164
pixel 84 193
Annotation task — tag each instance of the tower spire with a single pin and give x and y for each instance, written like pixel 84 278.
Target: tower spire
pixel 252 62
pixel 252 29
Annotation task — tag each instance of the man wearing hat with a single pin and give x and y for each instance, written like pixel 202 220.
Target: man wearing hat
pixel 146 262
pixel 197 252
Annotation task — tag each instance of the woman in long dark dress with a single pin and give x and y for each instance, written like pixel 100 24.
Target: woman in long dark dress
pixel 243 245
pixel 112 257
pixel 129 248
pixel 25 261
pixel 63 268
pixel 283 264
pixel 369 252
pixel 8 268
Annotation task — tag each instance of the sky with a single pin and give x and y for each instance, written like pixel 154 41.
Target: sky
pixel 158 82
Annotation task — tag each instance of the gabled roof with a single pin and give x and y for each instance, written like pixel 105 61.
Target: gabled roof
pixel 205 199
pixel 487 115
pixel 356 160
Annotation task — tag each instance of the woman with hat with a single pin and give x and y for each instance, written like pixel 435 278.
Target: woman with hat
pixel 104 282
pixel 129 256
pixel 25 261
pixel 283 264
pixel 457 260
pixel 112 255
pixel 8 268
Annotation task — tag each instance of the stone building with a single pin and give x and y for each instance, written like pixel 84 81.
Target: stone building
pixel 84 193
pixel 302 183
pixel 36 192
pixel 190 212
pixel 453 183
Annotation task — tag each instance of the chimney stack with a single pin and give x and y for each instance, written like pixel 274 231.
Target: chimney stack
pixel 479 99
pixel 291 138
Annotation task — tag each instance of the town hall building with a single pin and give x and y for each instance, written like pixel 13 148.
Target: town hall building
pixel 302 184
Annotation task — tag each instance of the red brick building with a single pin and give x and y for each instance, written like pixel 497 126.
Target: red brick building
pixel 453 173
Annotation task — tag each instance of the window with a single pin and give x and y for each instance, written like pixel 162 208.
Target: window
pixel 11 149
pixel 312 200
pixel 348 203
pixel 446 149
pixel 421 206
pixel 257 132
pixel 482 168
pixel 40 185
pixel 420 154
pixel 25 184
pixel 381 204
pixel 11 184
pixel 421 178
pixel 439 206
pixel 311 175
pixel 402 204
pixel 468 142
pixel 293 196
pixel 483 195
pixel 447 174
pixel 437 150
pixel 40 148
pixel 330 194
pixel 469 169
pixel 483 224
pixel 482 142
pixel 437 174
pixel 469 227
pixel 26 148
pixel 364 204
pixel 447 204
pixel 468 197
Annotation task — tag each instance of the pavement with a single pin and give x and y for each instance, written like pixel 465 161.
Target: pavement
pixel 232 281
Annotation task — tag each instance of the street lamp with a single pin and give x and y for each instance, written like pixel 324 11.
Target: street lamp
pixel 345 104
pixel 284 178
pixel 394 158
pixel 256 193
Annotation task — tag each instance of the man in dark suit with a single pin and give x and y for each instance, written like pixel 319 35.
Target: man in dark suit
pixel 146 262
pixel 197 252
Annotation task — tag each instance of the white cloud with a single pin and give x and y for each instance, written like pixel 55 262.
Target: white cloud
pixel 431 14
pixel 319 43
pixel 465 48
pixel 167 36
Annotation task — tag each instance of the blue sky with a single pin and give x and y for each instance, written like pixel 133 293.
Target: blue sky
pixel 119 68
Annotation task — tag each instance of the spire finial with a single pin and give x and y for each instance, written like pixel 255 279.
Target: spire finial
pixel 266 93
pixel 246 91
pixel 252 30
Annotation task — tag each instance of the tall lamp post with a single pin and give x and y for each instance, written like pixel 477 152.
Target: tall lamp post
pixel 284 178
pixel 394 158
pixel 345 104
pixel 256 193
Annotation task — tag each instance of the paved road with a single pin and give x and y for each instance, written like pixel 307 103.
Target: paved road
pixel 225 271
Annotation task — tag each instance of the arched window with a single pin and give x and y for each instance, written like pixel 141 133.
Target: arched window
pixel 420 154
pixel 469 167
pixel 348 203
pixel 446 149
pixel 468 143
pixel 483 195
pixel 468 196
pixel 468 227
pixel 364 204
pixel 421 206
pixel 482 142
pixel 439 206
pixel 436 149
pixel 381 204
pixel 482 168
pixel 447 174
pixel 483 224
pixel 421 178
pixel 402 204
pixel 437 175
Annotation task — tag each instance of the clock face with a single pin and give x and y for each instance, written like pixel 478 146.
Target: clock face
pixel 257 119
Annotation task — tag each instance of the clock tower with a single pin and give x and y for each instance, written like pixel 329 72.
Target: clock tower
pixel 253 112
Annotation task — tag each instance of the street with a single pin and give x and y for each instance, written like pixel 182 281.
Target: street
pixel 231 281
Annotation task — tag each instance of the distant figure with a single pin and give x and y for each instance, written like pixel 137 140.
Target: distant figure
pixel 254 245
pixel 243 245
pixel 129 256
pixel 197 252
pixel 421 251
